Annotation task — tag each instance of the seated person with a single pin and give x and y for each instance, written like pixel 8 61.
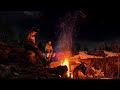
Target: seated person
pixel 49 50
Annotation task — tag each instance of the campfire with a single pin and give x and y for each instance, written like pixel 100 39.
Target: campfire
pixel 66 63
pixel 63 60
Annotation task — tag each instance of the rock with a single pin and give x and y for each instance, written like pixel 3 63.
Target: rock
pixel 2 66
pixel 16 74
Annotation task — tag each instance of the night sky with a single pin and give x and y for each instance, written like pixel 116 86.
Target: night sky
pixel 100 24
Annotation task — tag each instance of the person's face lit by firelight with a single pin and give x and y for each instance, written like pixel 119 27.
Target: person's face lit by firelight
pixel 49 42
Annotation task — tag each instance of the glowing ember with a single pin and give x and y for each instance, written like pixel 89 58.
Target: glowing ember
pixel 66 63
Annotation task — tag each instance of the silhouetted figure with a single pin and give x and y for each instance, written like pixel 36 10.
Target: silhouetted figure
pixel 49 50
pixel 32 52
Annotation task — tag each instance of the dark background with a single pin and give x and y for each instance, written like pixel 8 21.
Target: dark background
pixel 101 22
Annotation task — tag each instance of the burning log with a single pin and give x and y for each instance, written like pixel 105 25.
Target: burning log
pixel 59 71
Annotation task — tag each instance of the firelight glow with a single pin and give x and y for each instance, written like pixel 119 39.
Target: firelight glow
pixel 66 62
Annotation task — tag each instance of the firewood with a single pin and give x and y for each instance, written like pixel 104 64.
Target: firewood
pixel 60 70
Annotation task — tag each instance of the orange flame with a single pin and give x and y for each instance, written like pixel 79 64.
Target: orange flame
pixel 66 63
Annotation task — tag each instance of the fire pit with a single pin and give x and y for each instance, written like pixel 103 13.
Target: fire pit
pixel 65 60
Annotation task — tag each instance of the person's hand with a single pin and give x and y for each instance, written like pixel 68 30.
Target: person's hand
pixel 36 46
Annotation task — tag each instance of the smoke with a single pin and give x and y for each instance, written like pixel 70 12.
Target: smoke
pixel 67 30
